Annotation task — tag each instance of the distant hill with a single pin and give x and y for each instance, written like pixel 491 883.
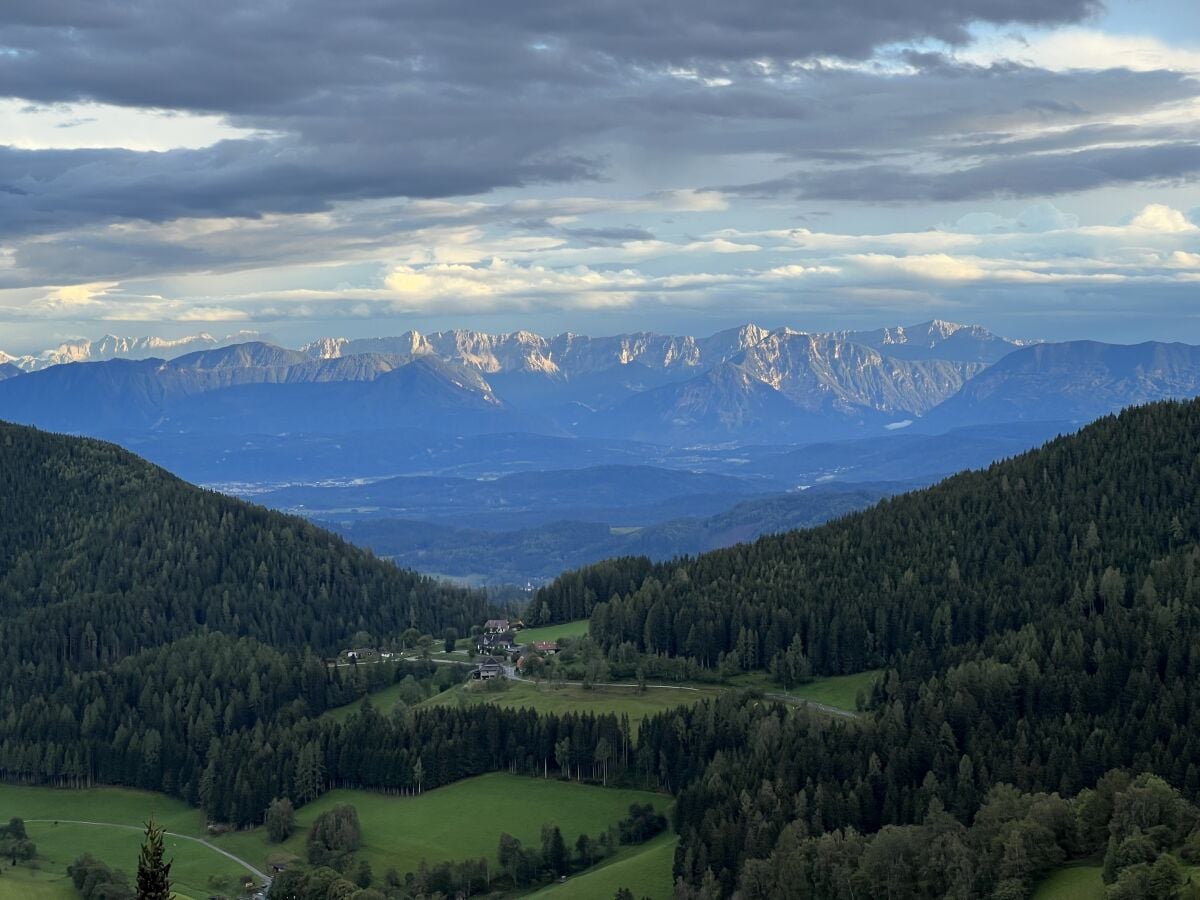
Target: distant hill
pixel 617 494
pixel 97 540
pixel 1076 381
pixel 541 553
pixel 249 387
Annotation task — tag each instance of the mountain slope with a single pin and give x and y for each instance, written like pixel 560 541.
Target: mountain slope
pixel 1037 624
pixel 109 545
pixel 936 339
pixel 788 387
pixel 250 387
pixel 1075 381
pixel 816 373
pixel 112 346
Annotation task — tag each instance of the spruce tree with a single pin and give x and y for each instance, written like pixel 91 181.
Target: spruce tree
pixel 153 875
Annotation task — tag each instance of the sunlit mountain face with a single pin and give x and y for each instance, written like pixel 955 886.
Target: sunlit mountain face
pixel 306 170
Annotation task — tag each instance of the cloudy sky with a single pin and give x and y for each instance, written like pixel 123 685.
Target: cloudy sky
pixel 306 168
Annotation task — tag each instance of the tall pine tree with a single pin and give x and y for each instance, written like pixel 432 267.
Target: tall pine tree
pixel 153 875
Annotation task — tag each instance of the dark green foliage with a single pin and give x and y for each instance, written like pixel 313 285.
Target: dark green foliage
pixel 1039 623
pixel 320 883
pixel 136 613
pixel 153 872
pixel 643 823
pixel 109 555
pixel 15 845
pixel 1014 840
pixel 95 880
pixel 280 820
pixel 334 835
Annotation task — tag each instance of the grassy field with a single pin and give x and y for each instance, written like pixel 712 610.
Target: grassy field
pixel 59 845
pixel 22 884
pixel 839 690
pixel 460 821
pixel 383 699
pixel 578 628
pixel 1072 883
pixel 645 870
pixel 1083 882
pixel 573 698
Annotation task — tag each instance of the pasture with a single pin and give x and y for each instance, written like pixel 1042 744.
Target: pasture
pixel 578 628
pixel 460 821
pixel 198 871
pixel 644 869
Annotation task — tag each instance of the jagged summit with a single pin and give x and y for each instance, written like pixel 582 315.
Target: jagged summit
pixel 112 346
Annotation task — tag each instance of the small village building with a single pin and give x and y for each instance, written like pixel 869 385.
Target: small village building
pixel 488 669
pixel 502 642
pixel 496 626
pixel 548 648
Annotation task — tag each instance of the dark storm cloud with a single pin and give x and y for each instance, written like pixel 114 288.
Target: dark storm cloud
pixel 1040 175
pixel 231 55
pixel 370 99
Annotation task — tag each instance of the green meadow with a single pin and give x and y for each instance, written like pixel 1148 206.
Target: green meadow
pixel 578 628
pixel 1083 882
pixel 459 821
pixel 198 871
pixel 840 691
pixel 645 870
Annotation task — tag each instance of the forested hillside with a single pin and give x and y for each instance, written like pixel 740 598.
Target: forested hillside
pixel 143 621
pixel 1038 624
pixel 102 554
pixel 1040 621
pixel 1073 526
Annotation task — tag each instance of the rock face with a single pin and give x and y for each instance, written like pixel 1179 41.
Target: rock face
pixel 742 384
pixel 113 347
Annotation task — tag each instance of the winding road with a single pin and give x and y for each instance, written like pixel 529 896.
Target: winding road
pixel 263 877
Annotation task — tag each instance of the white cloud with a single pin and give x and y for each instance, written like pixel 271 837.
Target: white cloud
pixel 71 126
pixel 1084 48
pixel 1040 217
pixel 1161 218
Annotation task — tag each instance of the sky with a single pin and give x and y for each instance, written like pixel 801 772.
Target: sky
pixel 304 168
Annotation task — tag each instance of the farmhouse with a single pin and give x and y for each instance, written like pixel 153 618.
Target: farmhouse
pixel 549 648
pixel 488 669
pixel 501 642
pixel 496 626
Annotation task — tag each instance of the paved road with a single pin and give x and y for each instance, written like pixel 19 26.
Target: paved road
pixel 262 876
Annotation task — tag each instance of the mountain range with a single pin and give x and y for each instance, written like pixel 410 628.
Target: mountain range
pixel 113 347
pixel 742 386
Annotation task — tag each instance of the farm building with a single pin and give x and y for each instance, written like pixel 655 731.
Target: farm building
pixel 488 669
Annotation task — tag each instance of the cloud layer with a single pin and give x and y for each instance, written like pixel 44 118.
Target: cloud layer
pixel 302 158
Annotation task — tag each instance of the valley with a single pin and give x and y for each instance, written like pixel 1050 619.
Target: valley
pixel 707 639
